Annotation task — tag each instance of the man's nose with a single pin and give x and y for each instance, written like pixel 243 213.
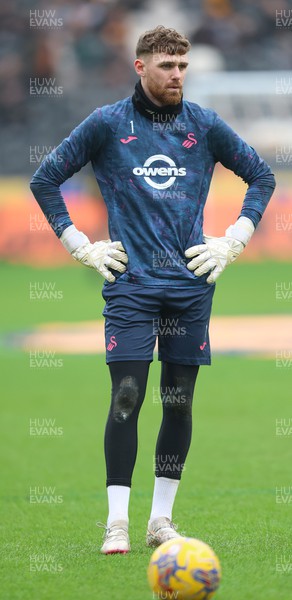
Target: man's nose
pixel 175 73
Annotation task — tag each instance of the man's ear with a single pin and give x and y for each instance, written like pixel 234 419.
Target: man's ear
pixel 139 65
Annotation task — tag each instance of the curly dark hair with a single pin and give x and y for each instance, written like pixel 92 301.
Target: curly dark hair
pixel 162 40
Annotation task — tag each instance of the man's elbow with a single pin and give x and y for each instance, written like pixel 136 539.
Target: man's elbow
pixel 273 181
pixel 268 179
pixel 34 185
pixel 269 176
pixel 37 183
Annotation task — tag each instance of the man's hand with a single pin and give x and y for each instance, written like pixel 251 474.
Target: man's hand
pixel 214 255
pixel 217 253
pixel 101 256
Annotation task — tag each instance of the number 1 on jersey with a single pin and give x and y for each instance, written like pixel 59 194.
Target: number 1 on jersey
pixel 132 126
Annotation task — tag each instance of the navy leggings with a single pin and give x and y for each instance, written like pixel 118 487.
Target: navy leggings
pixel 129 379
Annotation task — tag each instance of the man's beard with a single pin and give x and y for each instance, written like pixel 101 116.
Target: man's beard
pixel 166 97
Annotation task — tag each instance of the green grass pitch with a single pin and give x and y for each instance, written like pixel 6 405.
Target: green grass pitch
pixel 228 492
pixel 243 289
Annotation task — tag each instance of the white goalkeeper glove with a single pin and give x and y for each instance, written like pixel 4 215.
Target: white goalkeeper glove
pixel 100 256
pixel 217 253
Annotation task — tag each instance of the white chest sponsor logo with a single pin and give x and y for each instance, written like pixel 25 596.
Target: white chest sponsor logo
pixel 171 171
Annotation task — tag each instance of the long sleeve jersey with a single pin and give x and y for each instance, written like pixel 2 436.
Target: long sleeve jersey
pixel 154 178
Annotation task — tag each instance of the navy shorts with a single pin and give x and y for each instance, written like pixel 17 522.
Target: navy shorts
pixel 137 315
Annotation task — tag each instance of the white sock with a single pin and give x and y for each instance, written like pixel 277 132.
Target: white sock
pixel 118 502
pixel 163 497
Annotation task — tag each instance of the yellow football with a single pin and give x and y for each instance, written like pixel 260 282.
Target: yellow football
pixel 184 568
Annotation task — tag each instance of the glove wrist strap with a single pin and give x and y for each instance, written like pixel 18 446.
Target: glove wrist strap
pixel 72 239
pixel 241 231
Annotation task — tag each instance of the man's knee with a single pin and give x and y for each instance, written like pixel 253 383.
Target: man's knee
pixel 178 399
pixel 124 398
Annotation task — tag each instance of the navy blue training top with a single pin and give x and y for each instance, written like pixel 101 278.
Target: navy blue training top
pixel 154 178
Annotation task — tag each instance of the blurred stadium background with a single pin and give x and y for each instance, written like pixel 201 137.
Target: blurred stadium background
pixel 59 60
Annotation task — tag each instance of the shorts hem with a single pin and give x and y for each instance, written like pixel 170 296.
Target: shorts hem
pixel 185 361
pixel 128 357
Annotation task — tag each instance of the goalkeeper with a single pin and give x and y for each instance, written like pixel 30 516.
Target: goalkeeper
pixel 153 156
